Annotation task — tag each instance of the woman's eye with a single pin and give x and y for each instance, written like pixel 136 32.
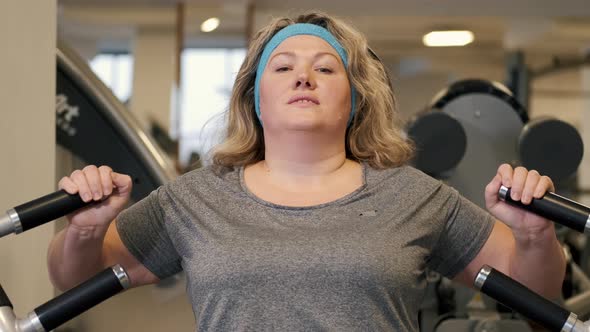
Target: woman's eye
pixel 283 68
pixel 324 70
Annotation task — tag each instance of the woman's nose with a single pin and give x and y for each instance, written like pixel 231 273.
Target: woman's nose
pixel 305 80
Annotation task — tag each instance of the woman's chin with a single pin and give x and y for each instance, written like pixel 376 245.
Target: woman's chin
pixel 304 121
pixel 309 125
pixel 302 125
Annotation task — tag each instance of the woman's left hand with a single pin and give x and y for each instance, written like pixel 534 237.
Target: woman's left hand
pixel 525 185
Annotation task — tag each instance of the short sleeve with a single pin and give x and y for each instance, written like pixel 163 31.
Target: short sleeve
pixel 142 230
pixel 467 228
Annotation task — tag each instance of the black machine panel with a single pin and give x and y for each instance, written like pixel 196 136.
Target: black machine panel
pixel 98 129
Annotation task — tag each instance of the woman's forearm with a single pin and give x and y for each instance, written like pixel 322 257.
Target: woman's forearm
pixel 538 261
pixel 75 255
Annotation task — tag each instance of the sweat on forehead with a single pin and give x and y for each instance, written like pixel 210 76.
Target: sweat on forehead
pixel 295 30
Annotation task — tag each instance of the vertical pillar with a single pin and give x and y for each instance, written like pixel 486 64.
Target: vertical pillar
pixel 27 141
pixel 154 76
pixel 584 170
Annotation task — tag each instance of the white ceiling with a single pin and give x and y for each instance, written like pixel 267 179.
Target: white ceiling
pixel 519 8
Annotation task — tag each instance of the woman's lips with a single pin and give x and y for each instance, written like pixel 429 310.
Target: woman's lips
pixel 303 100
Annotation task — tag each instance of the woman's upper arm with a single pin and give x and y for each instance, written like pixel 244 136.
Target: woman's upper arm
pixel 495 252
pixel 115 252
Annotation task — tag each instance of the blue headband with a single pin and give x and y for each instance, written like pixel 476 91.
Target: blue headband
pixel 290 31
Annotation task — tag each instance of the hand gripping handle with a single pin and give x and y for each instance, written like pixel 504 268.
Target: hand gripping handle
pixel 556 208
pixel 39 211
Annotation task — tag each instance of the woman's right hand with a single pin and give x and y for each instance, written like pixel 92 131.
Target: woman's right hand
pixel 109 190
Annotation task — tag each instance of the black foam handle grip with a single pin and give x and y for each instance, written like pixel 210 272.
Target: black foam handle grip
pixel 556 208
pixel 523 300
pixel 47 208
pixel 4 300
pixel 79 299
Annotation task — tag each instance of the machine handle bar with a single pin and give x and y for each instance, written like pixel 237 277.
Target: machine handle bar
pixel 39 211
pixel 556 208
pixel 514 295
pixel 82 297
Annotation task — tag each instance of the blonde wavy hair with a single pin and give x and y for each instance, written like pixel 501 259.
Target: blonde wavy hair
pixel 375 135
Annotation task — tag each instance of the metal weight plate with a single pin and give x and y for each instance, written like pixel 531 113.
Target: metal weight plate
pixel 492 120
pixel 440 142
pixel 552 147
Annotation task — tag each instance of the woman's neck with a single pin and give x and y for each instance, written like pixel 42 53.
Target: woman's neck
pixel 291 166
pixel 303 154
pixel 302 170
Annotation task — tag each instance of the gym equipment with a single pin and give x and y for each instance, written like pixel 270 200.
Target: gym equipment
pixel 39 212
pixel 491 119
pixel 575 216
pixel 70 304
pixel 96 127
pixel 552 147
pixel 440 142
pixel 518 297
pixel 556 208
pixel 497 130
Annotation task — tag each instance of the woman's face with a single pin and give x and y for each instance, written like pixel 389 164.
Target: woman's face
pixel 304 86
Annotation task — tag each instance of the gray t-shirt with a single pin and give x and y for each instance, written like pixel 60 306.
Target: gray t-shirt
pixel 356 263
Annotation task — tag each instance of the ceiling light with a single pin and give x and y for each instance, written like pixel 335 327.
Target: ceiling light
pixel 448 38
pixel 210 24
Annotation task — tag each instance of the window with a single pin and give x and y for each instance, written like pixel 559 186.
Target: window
pixel 116 71
pixel 208 75
pixel 207 79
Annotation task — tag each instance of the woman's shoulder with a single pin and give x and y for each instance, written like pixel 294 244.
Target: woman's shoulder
pixel 207 177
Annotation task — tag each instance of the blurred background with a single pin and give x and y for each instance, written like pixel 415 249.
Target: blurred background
pixel 122 39
pixel 171 65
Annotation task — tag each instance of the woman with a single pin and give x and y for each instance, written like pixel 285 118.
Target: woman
pixel 309 218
